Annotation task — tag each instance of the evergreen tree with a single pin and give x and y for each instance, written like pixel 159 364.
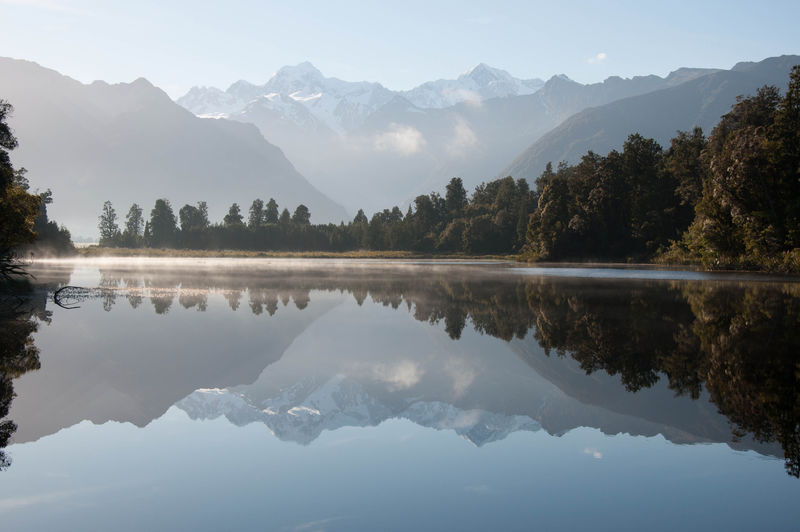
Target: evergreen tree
pixel 455 198
pixel 134 224
pixel 257 214
pixel 271 212
pixel 107 224
pixel 234 216
pixel 191 219
pixel 301 215
pixel 285 218
pixel 202 215
pixel 134 221
pixel 163 224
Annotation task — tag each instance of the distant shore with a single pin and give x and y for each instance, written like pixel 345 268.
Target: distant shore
pixel 96 251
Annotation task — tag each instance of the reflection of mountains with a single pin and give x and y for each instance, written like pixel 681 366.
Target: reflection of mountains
pixel 342 402
pixel 667 341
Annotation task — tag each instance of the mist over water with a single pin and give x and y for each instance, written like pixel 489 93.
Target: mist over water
pixel 362 395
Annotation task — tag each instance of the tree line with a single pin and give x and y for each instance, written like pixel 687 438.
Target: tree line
pixel 493 220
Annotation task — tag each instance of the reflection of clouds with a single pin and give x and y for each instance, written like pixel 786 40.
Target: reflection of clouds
pixel 313 526
pixel 400 375
pixel 462 374
pixel 12 503
pixel 591 451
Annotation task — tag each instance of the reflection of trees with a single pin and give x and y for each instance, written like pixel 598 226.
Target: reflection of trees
pixel 194 299
pixel 18 355
pixel 625 330
pixel 740 342
pixel 750 340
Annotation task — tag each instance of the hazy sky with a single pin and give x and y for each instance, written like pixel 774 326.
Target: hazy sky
pixel 181 43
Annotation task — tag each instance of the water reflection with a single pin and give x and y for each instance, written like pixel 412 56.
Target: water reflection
pixel 22 308
pixel 642 357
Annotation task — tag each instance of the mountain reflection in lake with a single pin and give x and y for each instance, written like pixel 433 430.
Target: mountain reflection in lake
pixel 309 350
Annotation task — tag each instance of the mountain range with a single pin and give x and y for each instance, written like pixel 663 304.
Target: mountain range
pixel 336 146
pixel 372 148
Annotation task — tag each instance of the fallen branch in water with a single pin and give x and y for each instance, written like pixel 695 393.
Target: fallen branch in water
pixel 76 293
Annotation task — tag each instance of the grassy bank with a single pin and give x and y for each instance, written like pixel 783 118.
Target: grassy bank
pixel 97 251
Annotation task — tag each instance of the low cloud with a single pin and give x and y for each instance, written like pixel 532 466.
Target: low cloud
pixel 599 58
pixel 463 139
pixel 401 139
pixel 463 95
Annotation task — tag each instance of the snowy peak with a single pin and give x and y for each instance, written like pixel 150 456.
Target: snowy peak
pixel 340 105
pixel 480 83
pixel 302 78
pixel 483 75
pixel 344 105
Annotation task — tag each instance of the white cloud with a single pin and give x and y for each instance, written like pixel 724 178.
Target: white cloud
pixel 599 58
pixel 593 453
pixel 401 139
pixel 463 140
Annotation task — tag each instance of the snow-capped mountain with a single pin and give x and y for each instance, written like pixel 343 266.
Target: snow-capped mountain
pixel 299 416
pixel 340 105
pixel 344 105
pixel 474 86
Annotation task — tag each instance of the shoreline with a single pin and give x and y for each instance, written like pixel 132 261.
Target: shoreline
pixel 96 252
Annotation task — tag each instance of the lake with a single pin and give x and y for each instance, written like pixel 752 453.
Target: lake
pixel 222 394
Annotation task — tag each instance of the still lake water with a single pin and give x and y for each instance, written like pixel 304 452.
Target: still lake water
pixel 228 394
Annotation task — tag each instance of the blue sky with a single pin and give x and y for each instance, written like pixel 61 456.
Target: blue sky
pixel 177 44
